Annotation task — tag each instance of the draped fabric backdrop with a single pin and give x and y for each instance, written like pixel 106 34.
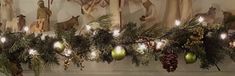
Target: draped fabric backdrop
pixel 177 10
pixel 185 9
pixel 171 13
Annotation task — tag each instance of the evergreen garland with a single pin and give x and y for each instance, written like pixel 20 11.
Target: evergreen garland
pixel 193 36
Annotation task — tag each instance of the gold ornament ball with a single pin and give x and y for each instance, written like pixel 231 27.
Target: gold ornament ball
pixel 190 58
pixel 118 53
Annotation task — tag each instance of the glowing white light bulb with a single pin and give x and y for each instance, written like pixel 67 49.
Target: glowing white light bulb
pixel 67 52
pixel 233 44
pixel 88 27
pixel 177 22
pixel 223 36
pixel 142 47
pixel 33 52
pixel 93 55
pixel 200 19
pixel 94 33
pixel 116 33
pixel 58 45
pixel 159 45
pixel 3 39
pixel 118 49
pixel 26 28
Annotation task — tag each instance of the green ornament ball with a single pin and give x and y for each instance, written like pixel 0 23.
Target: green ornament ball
pixel 59 47
pixel 118 53
pixel 59 50
pixel 190 58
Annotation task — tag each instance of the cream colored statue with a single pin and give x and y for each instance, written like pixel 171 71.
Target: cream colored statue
pixel 94 9
pixel 44 13
pixel 131 11
pixel 6 11
pixel 151 15
pixel 37 26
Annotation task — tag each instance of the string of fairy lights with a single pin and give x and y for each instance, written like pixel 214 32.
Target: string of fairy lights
pixel 62 45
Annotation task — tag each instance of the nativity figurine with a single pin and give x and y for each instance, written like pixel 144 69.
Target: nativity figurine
pixel 37 26
pixel 7 13
pixel 44 13
pixel 69 24
pixel 151 17
pixel 16 24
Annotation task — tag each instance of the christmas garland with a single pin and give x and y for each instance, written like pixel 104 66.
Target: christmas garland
pixel 195 39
